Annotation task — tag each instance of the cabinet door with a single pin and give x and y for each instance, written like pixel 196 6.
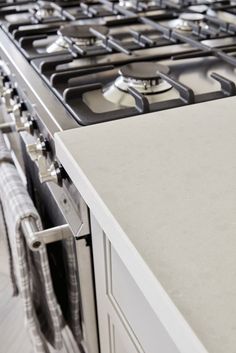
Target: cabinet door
pixel 115 333
pixel 127 324
pixel 119 339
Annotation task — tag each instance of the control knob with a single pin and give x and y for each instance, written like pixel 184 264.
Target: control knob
pixel 53 173
pixel 7 96
pixel 38 149
pixel 17 110
pixel 3 80
pixel 23 121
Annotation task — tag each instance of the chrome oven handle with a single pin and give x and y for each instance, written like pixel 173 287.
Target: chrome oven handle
pixel 35 238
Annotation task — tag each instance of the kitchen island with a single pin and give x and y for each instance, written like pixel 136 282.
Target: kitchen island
pixel 161 189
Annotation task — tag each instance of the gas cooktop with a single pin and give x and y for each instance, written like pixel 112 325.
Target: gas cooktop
pixel 108 60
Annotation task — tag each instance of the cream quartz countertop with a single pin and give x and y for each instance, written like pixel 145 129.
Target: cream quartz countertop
pixel 163 188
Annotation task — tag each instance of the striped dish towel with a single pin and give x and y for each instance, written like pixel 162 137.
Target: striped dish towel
pixel 31 273
pixel 74 315
pixel 5 155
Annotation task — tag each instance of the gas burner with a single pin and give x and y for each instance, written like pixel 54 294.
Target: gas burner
pixel 187 19
pixel 198 8
pixel 126 3
pixel 44 10
pixel 144 77
pixel 135 3
pixel 80 35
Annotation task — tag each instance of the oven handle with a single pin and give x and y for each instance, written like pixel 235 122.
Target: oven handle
pixel 35 238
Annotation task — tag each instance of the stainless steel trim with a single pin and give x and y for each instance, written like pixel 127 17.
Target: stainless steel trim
pixel 90 333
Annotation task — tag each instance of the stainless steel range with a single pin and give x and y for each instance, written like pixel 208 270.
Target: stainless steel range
pixel 66 64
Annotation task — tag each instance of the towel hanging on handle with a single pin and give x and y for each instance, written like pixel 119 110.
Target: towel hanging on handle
pixel 5 154
pixel 31 269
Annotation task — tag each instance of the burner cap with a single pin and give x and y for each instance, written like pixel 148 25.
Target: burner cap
pixel 198 8
pixel 46 5
pixel 81 31
pixel 143 70
pixel 189 16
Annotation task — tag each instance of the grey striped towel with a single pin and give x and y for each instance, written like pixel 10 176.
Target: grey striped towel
pixel 30 270
pixel 5 155
pixel 74 317
pixel 42 314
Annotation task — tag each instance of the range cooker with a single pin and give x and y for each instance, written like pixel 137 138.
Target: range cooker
pixel 66 64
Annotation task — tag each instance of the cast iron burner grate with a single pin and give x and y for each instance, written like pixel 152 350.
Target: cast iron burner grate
pixel 141 33
pixel 27 13
pixel 44 10
pixel 143 57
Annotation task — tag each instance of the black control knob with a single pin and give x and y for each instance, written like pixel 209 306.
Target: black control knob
pixel 3 80
pixel 22 118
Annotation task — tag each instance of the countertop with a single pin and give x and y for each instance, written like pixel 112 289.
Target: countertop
pixel 163 188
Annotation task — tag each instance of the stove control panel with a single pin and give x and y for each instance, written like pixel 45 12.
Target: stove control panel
pixel 23 117
pixel 14 103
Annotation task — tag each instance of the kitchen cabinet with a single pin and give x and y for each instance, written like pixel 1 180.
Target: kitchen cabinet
pixel 127 323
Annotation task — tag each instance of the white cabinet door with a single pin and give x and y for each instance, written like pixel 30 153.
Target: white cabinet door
pixel 120 341
pixel 126 321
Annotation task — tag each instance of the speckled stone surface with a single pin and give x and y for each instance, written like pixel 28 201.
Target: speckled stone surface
pixel 169 180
